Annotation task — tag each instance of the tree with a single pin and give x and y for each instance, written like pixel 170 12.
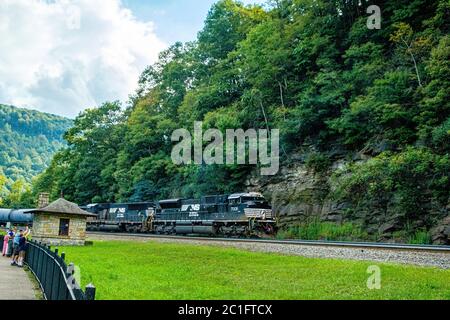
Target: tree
pixel 20 196
pixel 3 181
pixel 435 104
pixel 411 45
pixel 226 25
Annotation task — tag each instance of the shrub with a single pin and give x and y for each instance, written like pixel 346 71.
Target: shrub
pixel 318 162
pixel 420 237
pixel 317 230
pixel 441 137
pixel 406 184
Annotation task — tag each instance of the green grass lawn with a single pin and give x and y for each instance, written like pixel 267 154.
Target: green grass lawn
pixel 154 270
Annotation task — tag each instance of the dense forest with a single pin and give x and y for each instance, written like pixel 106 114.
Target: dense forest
pixel 28 141
pixel 311 68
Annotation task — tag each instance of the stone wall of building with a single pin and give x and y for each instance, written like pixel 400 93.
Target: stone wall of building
pixel 46 229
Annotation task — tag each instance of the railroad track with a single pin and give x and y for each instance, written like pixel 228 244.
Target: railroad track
pixel 337 244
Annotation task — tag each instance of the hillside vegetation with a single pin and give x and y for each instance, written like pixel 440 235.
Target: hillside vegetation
pixel 311 68
pixel 28 141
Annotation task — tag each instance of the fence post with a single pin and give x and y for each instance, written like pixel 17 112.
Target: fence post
pixel 45 266
pixel 70 279
pixel 90 292
pixel 55 278
pixel 39 262
pixel 72 275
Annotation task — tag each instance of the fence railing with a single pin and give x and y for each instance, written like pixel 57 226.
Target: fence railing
pixel 55 277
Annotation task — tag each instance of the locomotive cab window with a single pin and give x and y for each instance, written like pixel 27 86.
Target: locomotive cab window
pixel 64 227
pixel 249 199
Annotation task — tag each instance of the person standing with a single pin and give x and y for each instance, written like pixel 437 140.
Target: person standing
pixel 10 250
pixel 22 249
pixel 16 244
pixel 5 243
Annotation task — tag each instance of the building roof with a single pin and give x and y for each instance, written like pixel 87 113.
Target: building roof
pixel 63 206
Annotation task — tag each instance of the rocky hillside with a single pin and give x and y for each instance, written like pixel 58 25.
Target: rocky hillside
pixel 300 196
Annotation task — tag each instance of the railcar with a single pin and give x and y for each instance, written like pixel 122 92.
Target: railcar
pixel 15 217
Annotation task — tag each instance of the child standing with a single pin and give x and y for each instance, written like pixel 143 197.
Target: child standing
pixel 15 256
pixel 23 247
pixel 10 250
pixel 22 250
pixel 5 243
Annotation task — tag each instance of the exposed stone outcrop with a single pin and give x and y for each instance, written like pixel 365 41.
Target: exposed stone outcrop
pixel 298 195
pixel 441 233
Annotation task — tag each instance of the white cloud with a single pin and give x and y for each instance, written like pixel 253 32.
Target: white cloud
pixel 62 56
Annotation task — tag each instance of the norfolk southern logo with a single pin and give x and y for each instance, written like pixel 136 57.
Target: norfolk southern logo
pixel 259 147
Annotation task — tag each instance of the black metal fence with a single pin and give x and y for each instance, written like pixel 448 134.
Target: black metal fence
pixel 55 277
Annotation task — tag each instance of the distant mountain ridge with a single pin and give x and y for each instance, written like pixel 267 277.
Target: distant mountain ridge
pixel 28 141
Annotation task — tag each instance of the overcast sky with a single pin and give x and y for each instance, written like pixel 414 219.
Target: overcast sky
pixel 62 56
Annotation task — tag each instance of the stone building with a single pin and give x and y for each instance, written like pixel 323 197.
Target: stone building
pixel 60 223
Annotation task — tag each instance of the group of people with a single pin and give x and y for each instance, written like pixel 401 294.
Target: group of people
pixel 15 245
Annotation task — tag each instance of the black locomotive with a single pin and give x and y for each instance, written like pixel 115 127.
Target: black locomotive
pixel 120 217
pixel 243 214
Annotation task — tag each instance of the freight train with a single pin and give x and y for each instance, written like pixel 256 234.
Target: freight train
pixel 241 214
pixel 235 215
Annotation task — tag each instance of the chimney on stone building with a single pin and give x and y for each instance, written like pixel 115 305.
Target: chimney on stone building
pixel 44 200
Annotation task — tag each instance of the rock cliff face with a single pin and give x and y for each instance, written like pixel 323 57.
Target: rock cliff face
pixel 299 195
pixel 296 197
pixel 441 233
